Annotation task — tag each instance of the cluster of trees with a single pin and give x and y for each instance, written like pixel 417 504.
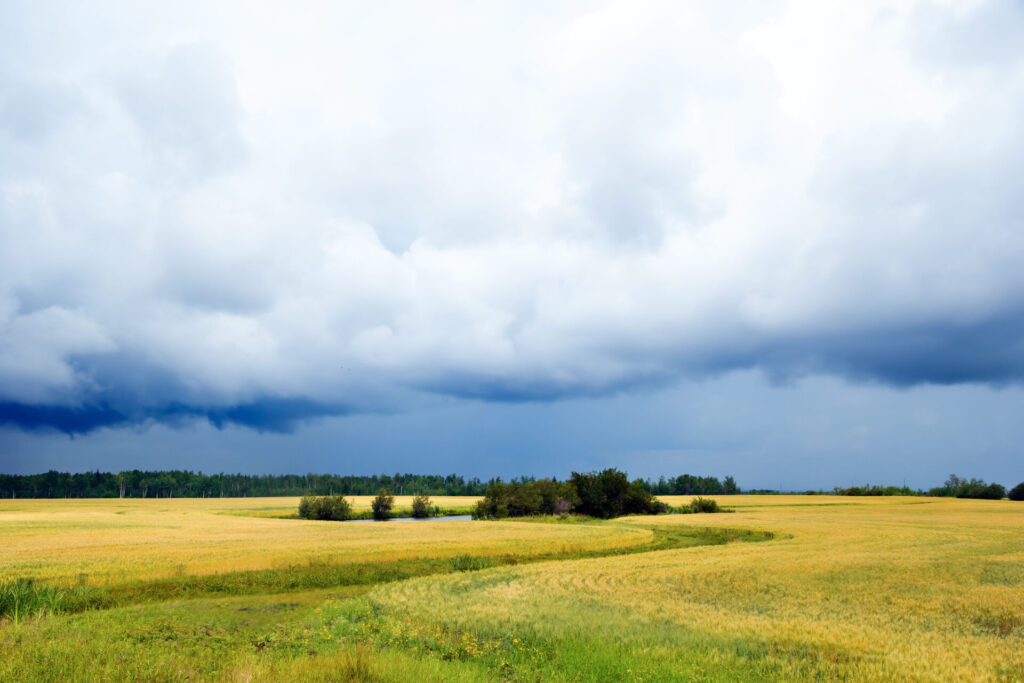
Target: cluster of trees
pixel 337 508
pixel 1017 492
pixel 187 484
pixel 869 490
pixel 955 487
pixel 605 494
pixel 689 485
pixel 334 508
pixel 968 488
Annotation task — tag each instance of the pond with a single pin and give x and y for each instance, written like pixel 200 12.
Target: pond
pixel 448 518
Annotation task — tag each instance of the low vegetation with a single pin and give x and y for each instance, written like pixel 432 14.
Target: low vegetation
pixel 334 508
pixel 701 504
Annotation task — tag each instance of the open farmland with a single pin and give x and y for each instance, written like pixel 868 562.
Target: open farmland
pixel 100 542
pixel 854 588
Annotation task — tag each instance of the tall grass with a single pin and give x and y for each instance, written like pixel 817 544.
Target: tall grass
pixel 23 598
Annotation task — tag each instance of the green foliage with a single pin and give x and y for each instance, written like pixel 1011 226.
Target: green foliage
pixel 382 504
pixel 875 490
pixel 688 484
pixel 421 506
pixel 525 498
pixel 334 508
pixel 25 598
pixel 187 484
pixel 701 504
pixel 964 488
pixel 603 494
pixel 609 493
pixel 471 563
pixel 1017 492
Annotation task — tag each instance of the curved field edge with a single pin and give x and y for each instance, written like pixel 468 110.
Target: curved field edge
pixel 20 599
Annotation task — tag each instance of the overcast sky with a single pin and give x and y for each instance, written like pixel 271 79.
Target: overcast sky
pixel 782 241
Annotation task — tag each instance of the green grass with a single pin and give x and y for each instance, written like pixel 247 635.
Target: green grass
pixel 23 598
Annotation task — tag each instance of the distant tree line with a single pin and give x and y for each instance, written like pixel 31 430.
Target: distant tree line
pixel 875 490
pixel 964 488
pixel 955 487
pixel 689 485
pixel 187 484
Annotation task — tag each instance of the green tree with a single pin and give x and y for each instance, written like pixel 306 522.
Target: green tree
pixel 421 506
pixel 1017 492
pixel 382 504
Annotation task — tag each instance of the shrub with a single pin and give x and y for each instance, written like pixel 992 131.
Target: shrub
pixel 469 563
pixel 335 508
pixel 1017 492
pixel 421 506
pixel 701 504
pixel 382 504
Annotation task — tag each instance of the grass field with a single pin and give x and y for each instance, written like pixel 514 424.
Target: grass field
pixel 846 588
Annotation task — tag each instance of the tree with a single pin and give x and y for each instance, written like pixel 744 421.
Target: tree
pixel 382 504
pixel 1017 492
pixel 729 487
pixel 421 506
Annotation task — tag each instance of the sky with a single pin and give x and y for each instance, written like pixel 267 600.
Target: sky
pixel 782 241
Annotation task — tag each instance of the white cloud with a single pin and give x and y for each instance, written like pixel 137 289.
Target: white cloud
pixel 339 203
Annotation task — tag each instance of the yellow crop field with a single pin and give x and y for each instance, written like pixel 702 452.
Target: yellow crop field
pixel 115 541
pixel 842 588
pixel 869 588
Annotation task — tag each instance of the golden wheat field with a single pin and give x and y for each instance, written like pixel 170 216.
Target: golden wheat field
pixel 115 541
pixel 871 588
pixel 846 589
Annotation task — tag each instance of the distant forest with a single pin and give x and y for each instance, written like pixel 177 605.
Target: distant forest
pixel 186 484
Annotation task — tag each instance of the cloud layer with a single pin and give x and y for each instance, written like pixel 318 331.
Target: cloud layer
pixel 261 217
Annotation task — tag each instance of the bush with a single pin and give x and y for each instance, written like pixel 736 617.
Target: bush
pixel 1017 492
pixel 700 504
pixel 382 504
pixel 469 563
pixel 421 506
pixel 335 508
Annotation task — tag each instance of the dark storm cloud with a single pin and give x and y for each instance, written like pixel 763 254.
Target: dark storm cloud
pixel 280 415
